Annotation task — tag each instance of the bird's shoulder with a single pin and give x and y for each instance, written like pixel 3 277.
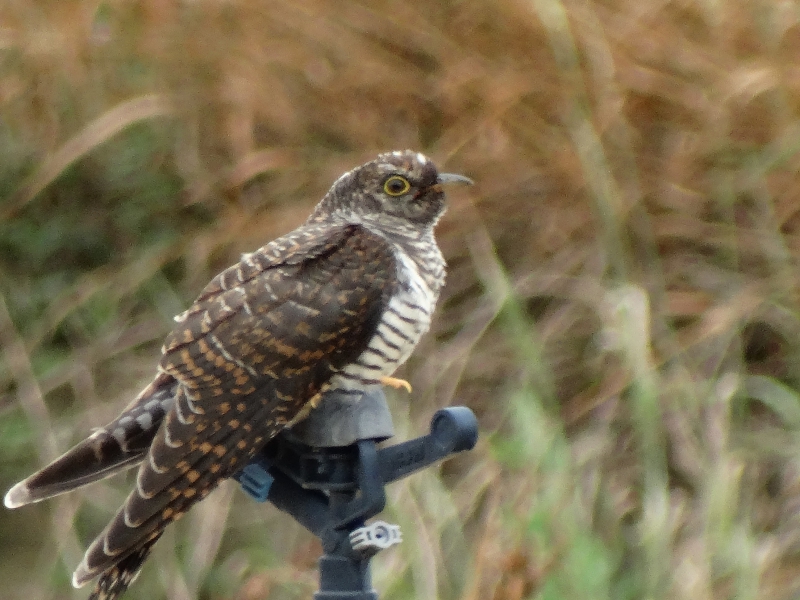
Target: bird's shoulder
pixel 309 243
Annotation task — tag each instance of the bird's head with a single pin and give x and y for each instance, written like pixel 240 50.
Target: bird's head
pixel 400 186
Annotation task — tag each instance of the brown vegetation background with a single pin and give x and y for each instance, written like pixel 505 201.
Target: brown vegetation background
pixel 621 310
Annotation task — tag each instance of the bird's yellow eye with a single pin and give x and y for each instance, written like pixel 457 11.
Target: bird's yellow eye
pixel 396 185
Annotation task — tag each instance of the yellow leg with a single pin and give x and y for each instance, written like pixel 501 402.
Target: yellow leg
pixel 396 383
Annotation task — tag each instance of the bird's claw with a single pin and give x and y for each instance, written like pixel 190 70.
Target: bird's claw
pixel 396 383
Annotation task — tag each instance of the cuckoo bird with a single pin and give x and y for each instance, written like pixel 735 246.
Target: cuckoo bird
pixel 334 306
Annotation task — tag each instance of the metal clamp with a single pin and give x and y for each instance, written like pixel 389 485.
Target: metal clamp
pixel 376 536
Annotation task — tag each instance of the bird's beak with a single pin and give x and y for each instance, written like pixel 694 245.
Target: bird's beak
pixel 453 178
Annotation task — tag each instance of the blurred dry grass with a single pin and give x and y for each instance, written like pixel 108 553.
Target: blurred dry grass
pixel 621 311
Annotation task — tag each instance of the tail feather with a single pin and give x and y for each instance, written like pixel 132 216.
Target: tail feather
pixel 93 459
pixel 97 558
pixel 121 444
pixel 113 583
pixel 159 499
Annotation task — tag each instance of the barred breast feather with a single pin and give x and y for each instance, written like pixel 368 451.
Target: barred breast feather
pixel 405 319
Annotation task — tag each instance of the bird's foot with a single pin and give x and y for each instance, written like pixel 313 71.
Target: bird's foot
pixel 396 383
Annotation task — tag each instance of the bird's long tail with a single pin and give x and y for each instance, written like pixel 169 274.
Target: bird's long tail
pixel 113 582
pixel 119 445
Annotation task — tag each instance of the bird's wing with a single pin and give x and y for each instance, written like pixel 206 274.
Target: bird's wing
pixel 261 342
pixel 119 445
pixel 123 442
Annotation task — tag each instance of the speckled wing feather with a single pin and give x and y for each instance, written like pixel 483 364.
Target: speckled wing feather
pixel 261 342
